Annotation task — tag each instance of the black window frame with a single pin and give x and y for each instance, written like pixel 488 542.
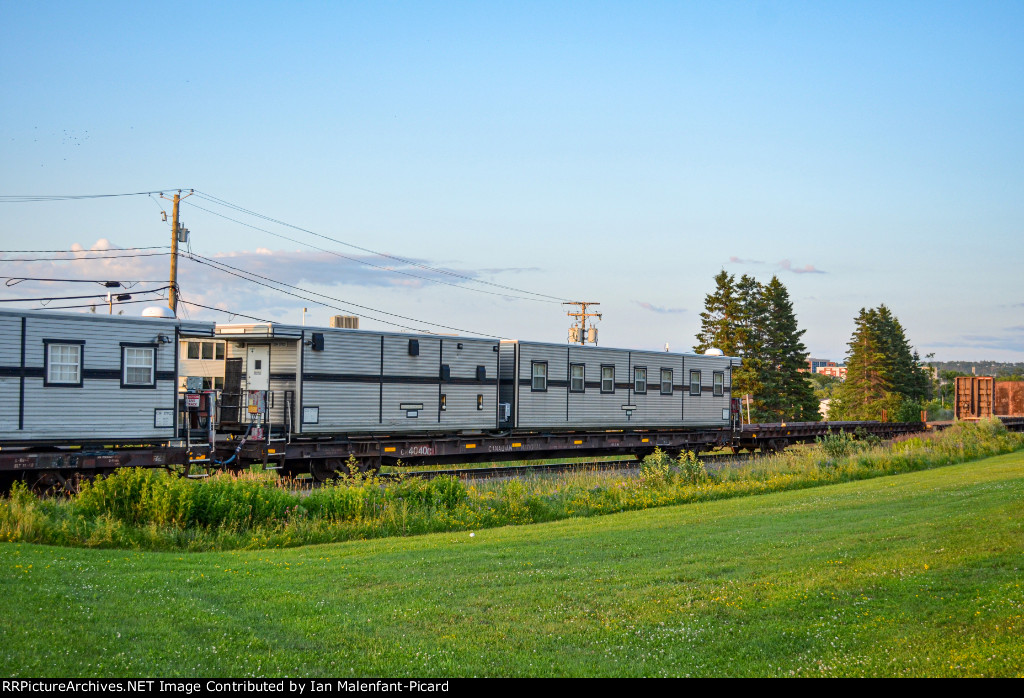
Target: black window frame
pixel 671 378
pixel 188 350
pixel 717 390
pixel 699 377
pixel 202 351
pixel 583 378
pixel 47 343
pixel 533 377
pixel 139 345
pixel 636 390
pixel 219 351
pixel 603 367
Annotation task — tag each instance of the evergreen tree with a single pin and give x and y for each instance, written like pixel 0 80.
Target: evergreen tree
pixel 718 327
pixel 756 323
pixel 865 387
pixel 785 393
pixel 750 328
pixel 883 372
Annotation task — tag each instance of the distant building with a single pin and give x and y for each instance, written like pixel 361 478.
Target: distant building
pixel 833 370
pixel 814 364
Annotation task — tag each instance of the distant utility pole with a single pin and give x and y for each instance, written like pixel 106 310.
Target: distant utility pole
pixel 176 232
pixel 578 332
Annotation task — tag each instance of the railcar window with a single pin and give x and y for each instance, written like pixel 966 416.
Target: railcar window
pixel 607 379
pixel 540 375
pixel 666 381
pixel 64 364
pixel 139 366
pixel 719 383
pixel 577 372
pixel 640 380
pixel 695 383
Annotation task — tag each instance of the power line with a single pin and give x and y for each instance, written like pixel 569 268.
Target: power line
pixel 79 259
pixel 27 198
pixel 91 305
pixel 410 262
pixel 117 249
pixel 370 264
pixel 72 298
pixel 199 259
pixel 19 279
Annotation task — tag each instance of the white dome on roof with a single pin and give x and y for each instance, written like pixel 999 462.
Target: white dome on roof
pixel 161 311
pixel 714 352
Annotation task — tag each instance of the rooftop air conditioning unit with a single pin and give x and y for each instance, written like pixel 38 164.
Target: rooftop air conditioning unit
pixel 346 322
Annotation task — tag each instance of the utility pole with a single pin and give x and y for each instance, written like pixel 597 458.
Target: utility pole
pixel 172 295
pixel 578 331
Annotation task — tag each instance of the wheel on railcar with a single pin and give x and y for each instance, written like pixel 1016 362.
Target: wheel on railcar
pixel 325 469
pixel 7 482
pixel 53 483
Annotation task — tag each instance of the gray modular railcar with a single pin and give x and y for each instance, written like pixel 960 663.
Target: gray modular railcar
pixel 555 386
pixel 334 381
pixel 77 377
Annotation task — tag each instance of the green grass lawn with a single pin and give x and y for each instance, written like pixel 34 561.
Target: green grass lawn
pixel 917 574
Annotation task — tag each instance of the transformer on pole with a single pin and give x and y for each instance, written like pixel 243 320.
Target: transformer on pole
pixel 579 333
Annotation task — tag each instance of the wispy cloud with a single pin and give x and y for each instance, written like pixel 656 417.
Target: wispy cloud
pixel 224 289
pixel 659 309
pixel 786 265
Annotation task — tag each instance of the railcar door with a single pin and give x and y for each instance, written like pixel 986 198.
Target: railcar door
pixel 257 367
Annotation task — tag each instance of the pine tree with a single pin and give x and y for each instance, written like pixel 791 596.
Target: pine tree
pixel 756 323
pixel 785 393
pixel 883 371
pixel 718 328
pixel 750 327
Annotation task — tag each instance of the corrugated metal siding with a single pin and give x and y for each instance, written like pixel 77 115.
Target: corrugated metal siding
pixel 344 382
pixel 10 386
pixel 461 399
pixel 558 407
pixel 350 406
pixel 653 408
pixel 592 408
pixel 507 375
pixel 101 408
pixel 542 408
pixel 706 410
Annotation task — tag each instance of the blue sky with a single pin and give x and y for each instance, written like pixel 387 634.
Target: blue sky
pixel 623 153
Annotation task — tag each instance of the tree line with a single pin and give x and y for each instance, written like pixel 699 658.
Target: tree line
pixel 755 322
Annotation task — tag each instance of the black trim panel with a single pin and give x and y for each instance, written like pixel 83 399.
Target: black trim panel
pixel 391 380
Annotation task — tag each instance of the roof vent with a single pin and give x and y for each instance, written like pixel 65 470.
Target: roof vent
pixel 161 311
pixel 714 352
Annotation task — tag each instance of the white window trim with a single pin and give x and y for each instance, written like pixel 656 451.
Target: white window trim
pixel 52 363
pixel 126 365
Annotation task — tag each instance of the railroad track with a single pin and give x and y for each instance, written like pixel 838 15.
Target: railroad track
pixel 712 460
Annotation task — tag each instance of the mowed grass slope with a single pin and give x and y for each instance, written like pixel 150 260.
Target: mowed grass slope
pixel 916 574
